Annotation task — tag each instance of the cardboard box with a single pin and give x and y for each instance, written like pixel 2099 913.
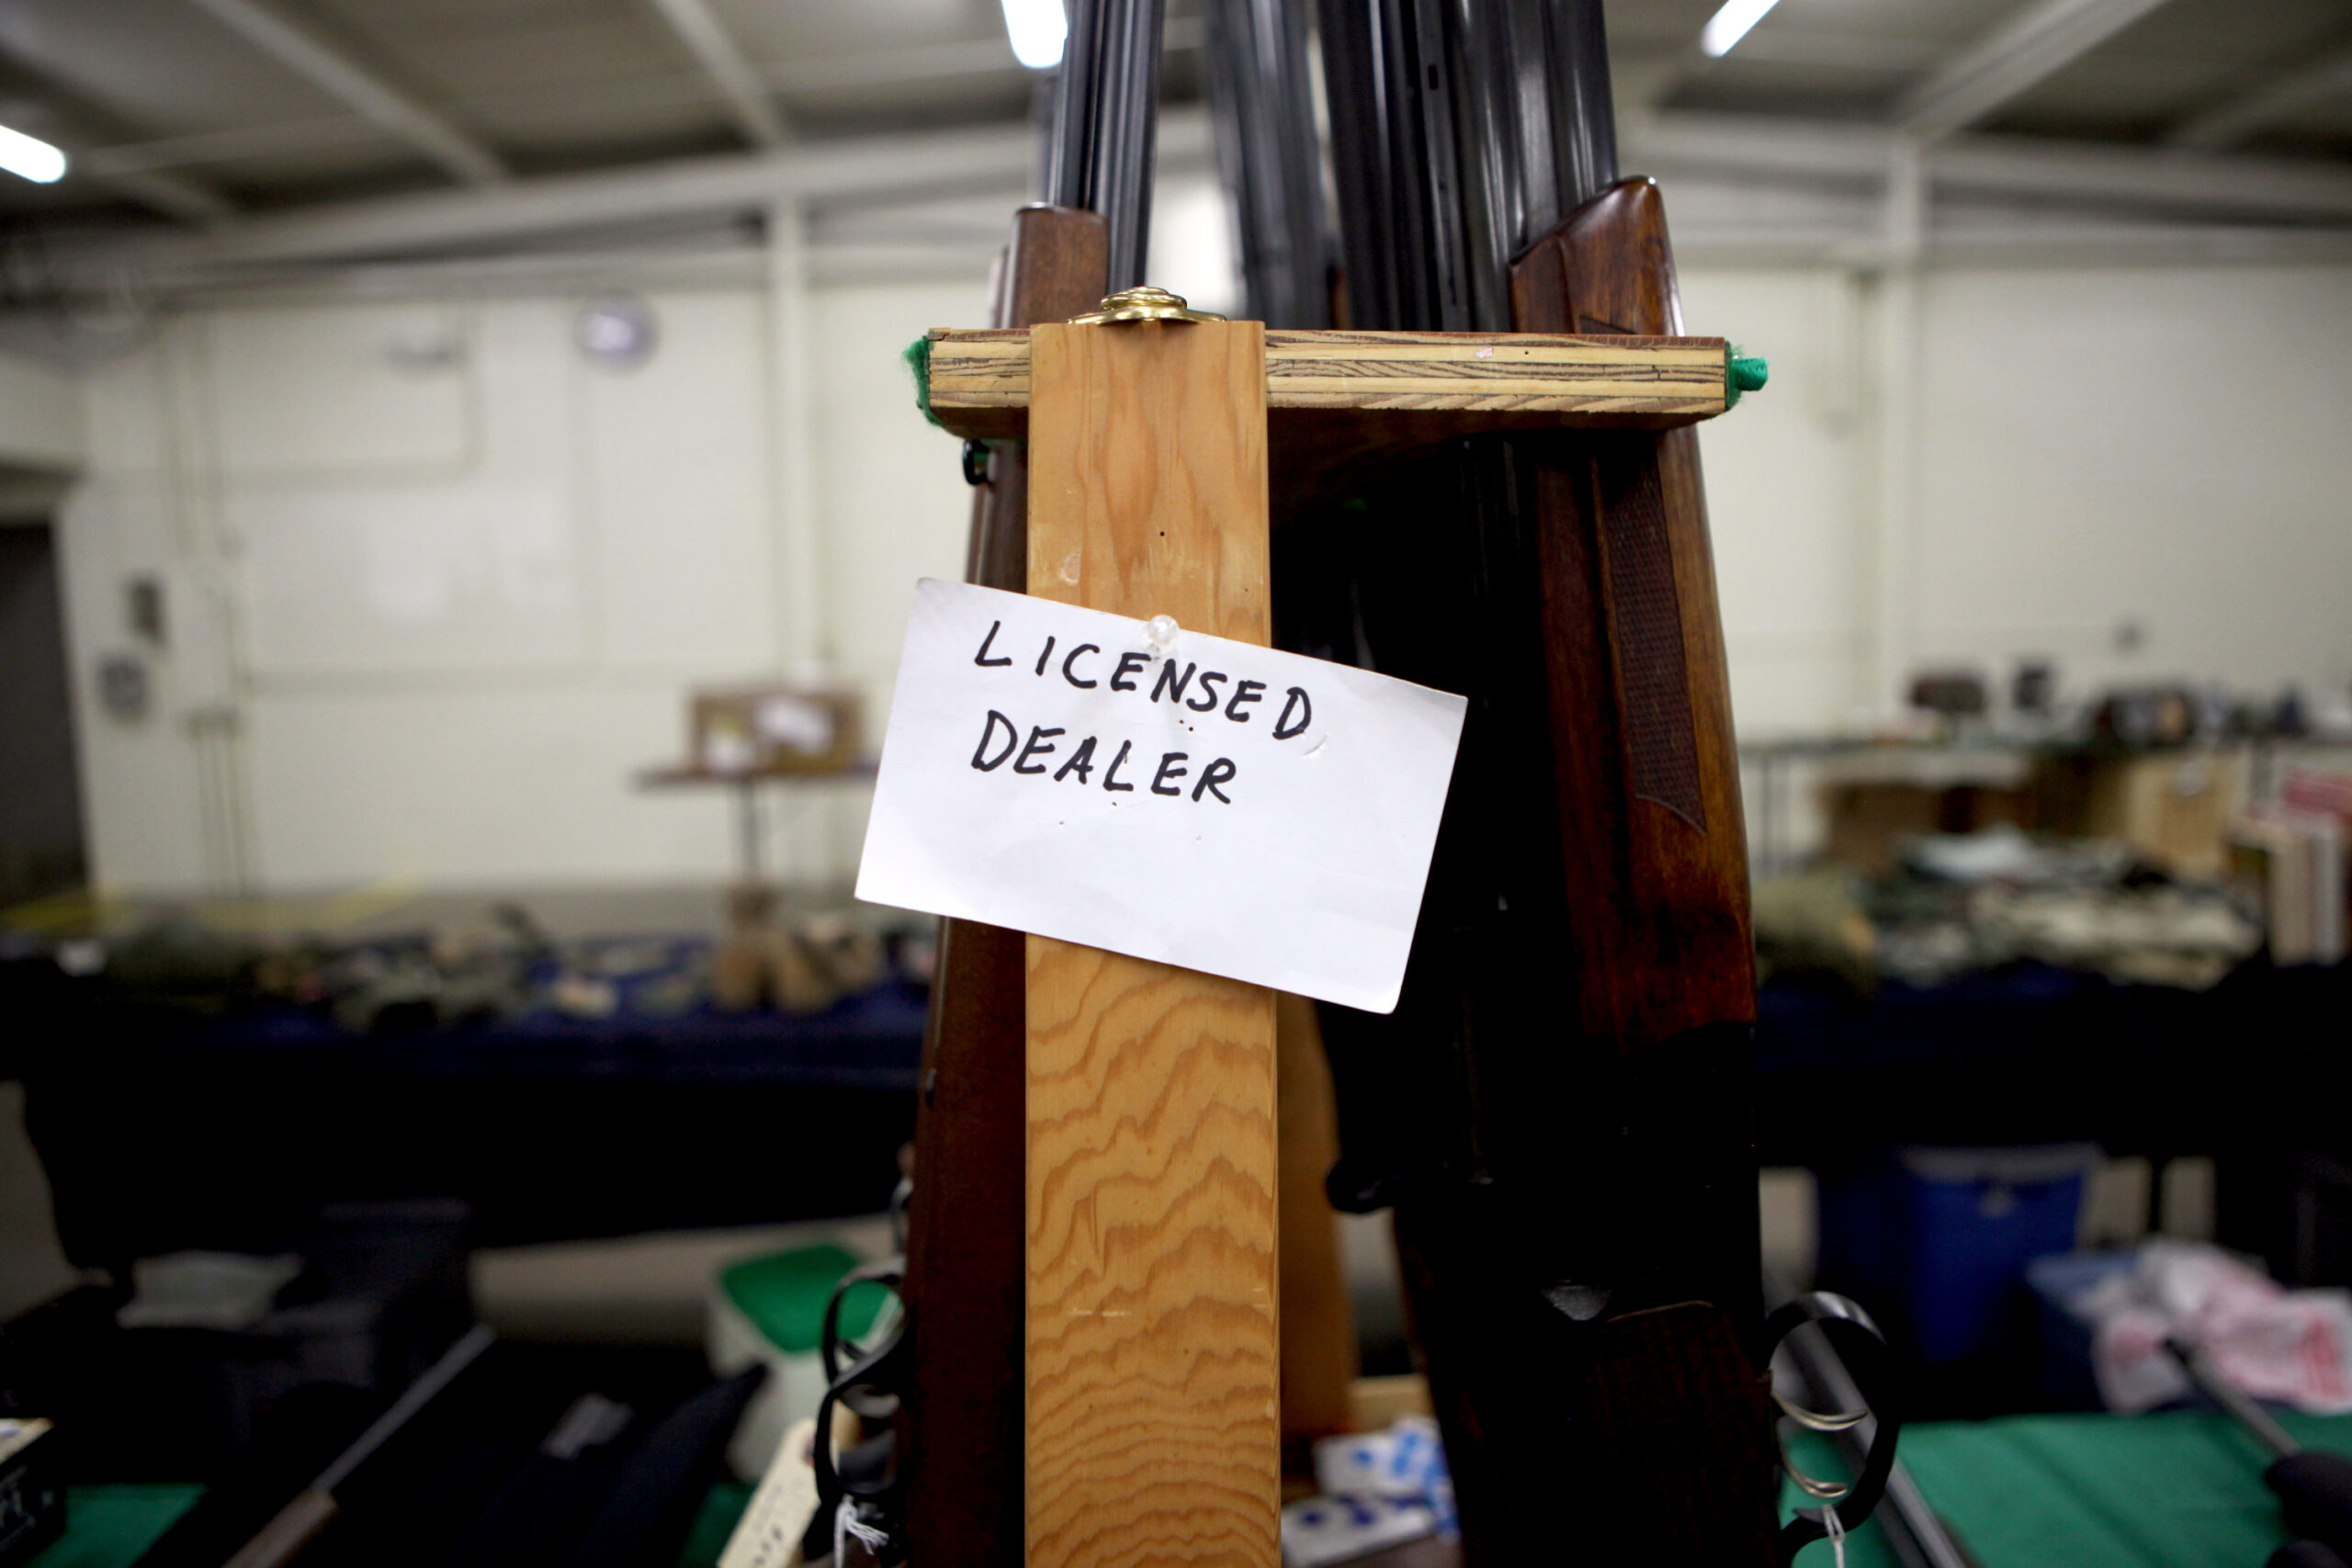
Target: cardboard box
pixel 766 730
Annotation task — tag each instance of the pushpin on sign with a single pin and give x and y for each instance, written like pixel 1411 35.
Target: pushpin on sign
pixel 1162 793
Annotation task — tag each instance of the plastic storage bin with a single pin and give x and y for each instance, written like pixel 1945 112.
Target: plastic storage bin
pixel 2063 1338
pixel 772 1308
pixel 1938 1239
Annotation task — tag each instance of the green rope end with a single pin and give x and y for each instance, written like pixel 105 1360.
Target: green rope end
pixel 1743 373
pixel 917 357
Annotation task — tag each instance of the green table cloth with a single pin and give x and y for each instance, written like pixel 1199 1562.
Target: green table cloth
pixel 108 1527
pixel 2180 1489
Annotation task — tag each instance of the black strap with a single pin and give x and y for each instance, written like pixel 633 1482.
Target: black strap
pixel 882 1370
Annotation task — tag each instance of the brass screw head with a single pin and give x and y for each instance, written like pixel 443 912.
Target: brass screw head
pixel 1142 303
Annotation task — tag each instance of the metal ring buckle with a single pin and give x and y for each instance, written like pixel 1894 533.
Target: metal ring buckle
pixel 1820 1490
pixel 1820 1420
pixel 1816 1421
pixel 1839 1506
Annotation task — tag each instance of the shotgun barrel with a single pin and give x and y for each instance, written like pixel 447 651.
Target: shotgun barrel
pixel 1264 117
pixel 2314 1489
pixel 290 1532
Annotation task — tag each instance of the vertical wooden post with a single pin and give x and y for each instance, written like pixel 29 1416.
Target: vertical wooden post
pixel 965 1223
pixel 1152 1431
pixel 1318 1322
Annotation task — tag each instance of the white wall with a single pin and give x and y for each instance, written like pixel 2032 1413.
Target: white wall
pixel 1788 477
pixel 40 415
pixel 453 610
pixel 2170 447
pixel 891 495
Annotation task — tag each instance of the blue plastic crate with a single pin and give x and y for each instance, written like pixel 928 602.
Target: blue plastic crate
pixel 1939 1239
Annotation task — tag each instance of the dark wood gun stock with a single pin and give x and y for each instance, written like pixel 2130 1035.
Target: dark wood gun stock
pixel 1641 698
pixel 1055 268
pixel 1646 772
pixel 965 1261
pixel 1582 1259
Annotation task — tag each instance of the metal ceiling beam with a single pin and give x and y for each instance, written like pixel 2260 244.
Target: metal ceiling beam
pixel 202 147
pixel 2230 124
pixel 1648 80
pixel 2155 181
pixel 2034 45
pixel 329 69
pixel 1681 140
pixel 908 66
pixel 614 202
pixel 74 124
pixel 902 69
pixel 714 48
pixel 1838 51
pixel 899 68
pixel 173 196
pixel 2125 178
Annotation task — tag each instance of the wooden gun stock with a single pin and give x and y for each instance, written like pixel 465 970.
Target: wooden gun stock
pixel 1558 1110
pixel 1654 850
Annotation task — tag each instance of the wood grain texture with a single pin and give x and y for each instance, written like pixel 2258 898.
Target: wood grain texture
pixel 1318 1329
pixel 1494 370
pixel 1660 893
pixel 962 1458
pixel 980 378
pixel 1152 1361
pixel 1690 1458
pixel 1147 473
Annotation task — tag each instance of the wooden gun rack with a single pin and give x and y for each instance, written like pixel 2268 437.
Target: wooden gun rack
pixel 1415 385
pixel 1147 1306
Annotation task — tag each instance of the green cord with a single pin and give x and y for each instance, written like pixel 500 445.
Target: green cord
pixel 1743 373
pixel 917 357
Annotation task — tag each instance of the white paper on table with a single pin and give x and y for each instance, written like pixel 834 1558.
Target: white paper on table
pixel 1292 853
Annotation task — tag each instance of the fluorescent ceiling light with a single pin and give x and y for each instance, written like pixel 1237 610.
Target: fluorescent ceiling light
pixel 1038 28
pixel 34 159
pixel 1725 28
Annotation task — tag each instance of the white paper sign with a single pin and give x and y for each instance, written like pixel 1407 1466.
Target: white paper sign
pixel 1206 803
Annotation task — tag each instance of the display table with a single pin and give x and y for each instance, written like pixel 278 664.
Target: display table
pixel 2178 1490
pixel 2251 1073
pixel 160 1133
pixel 108 1527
